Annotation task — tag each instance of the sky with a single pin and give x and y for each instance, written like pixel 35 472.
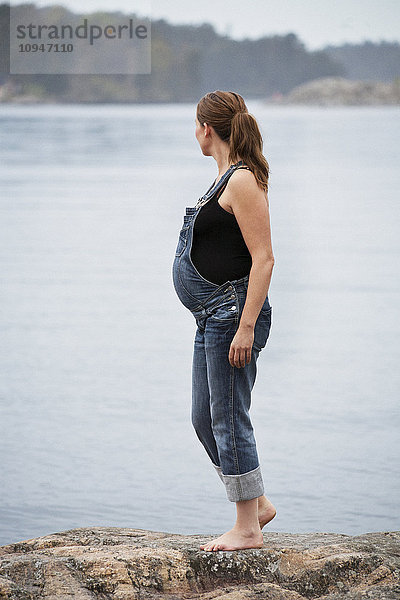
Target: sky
pixel 317 23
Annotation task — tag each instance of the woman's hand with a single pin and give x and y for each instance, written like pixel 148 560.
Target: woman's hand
pixel 241 346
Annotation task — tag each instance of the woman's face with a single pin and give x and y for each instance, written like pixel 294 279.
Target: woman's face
pixel 203 141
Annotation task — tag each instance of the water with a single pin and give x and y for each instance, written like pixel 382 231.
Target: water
pixel 96 349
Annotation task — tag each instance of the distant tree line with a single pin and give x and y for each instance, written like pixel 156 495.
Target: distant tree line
pixel 188 61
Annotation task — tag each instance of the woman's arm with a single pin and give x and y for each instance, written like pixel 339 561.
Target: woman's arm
pixel 249 204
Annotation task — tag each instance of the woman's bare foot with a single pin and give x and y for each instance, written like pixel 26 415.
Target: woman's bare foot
pixel 235 539
pixel 266 511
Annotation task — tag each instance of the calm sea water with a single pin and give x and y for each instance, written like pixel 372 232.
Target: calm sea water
pixel 96 349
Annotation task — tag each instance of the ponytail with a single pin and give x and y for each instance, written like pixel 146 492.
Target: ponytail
pixel 245 141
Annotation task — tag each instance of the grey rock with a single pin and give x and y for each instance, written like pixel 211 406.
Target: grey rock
pixel 328 91
pixel 130 564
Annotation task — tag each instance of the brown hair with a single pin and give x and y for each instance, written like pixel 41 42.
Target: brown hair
pixel 227 113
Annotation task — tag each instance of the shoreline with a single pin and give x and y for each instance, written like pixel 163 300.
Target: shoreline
pixel 324 91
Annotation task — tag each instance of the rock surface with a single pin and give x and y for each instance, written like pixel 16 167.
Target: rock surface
pixel 131 564
pixel 330 91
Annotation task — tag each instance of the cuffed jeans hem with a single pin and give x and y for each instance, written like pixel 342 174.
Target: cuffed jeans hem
pixel 242 487
pixel 219 472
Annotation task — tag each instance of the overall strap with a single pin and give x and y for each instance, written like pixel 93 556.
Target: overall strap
pixel 211 186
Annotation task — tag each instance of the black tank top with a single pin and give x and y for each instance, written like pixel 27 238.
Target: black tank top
pixel 219 251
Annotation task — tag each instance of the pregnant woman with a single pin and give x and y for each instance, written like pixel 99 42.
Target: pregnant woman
pixel 221 273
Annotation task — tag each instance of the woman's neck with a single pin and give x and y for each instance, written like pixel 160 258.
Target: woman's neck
pixel 223 167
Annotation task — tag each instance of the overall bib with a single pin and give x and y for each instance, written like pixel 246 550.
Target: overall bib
pixel 221 393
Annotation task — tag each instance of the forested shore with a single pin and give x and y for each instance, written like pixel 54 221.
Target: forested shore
pixel 187 61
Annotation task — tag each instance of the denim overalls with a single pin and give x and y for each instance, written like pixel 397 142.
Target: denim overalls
pixel 221 393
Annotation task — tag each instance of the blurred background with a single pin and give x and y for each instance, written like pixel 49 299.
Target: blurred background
pixel 95 357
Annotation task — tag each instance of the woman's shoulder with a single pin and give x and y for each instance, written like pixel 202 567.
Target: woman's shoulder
pixel 243 177
pixel 243 186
